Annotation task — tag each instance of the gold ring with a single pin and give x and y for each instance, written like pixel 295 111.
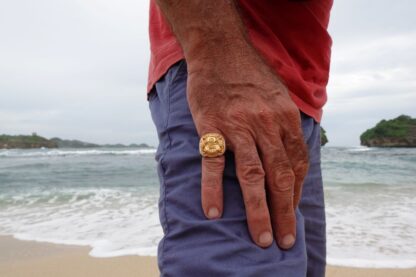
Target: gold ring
pixel 212 145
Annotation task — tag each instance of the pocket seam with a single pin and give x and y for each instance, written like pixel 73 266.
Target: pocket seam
pixel 170 84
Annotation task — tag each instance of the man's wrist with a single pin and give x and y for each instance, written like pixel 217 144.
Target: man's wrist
pixel 216 53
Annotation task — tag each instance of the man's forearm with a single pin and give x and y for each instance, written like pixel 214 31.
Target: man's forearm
pixel 208 31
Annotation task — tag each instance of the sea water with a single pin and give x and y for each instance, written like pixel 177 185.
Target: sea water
pixel 107 198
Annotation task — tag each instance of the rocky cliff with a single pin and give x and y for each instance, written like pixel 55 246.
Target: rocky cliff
pixel 397 132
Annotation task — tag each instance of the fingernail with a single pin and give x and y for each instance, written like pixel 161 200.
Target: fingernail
pixel 265 238
pixel 213 212
pixel 287 241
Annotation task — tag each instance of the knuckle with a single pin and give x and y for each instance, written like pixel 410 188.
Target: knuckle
pixel 251 174
pixel 294 141
pixel 265 115
pixel 284 181
pixel 302 167
pixel 292 120
pixel 236 115
pixel 288 109
pixel 280 165
pixel 242 141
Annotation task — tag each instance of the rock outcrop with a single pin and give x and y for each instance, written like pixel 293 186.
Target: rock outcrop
pixel 398 132
pixel 324 139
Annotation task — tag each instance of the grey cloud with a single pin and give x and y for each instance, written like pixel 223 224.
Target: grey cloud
pixel 78 69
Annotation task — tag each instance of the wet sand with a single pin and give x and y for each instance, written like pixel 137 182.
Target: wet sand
pixel 39 259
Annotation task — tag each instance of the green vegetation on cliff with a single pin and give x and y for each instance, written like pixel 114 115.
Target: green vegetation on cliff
pixel 324 139
pixel 66 143
pixel 22 141
pixel 398 132
pixel 35 141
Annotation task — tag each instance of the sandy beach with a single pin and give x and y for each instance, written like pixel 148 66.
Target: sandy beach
pixel 29 258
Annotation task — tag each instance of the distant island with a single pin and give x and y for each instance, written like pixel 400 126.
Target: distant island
pixel 36 141
pixel 397 132
pixel 324 139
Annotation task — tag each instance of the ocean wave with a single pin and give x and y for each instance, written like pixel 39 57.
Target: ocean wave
pixel 111 203
pixel 120 221
pixel 113 222
pixel 103 248
pixel 342 185
pixel 87 152
pixel 368 263
pixel 360 149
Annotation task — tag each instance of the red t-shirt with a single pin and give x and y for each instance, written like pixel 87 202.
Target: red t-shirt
pixel 291 35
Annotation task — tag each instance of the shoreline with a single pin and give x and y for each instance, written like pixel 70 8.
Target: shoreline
pixel 31 258
pixel 19 258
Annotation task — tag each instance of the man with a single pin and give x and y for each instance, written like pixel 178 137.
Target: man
pixel 248 77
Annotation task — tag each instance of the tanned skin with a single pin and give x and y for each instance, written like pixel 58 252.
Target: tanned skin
pixel 231 91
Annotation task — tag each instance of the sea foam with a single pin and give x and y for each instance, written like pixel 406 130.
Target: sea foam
pixel 112 222
pixel 117 222
pixel 76 152
pixel 107 199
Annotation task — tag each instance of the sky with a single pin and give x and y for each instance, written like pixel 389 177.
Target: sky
pixel 77 69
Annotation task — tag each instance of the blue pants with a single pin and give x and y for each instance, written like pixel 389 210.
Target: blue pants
pixel 195 246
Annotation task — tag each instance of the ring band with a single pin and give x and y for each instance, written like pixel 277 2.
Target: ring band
pixel 212 145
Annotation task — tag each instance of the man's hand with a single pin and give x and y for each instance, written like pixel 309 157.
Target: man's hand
pixel 233 93
pixel 261 125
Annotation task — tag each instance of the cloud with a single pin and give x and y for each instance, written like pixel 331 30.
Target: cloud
pixel 372 68
pixel 78 69
pixel 75 69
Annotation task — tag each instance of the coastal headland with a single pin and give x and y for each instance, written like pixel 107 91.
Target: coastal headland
pixel 36 141
pixel 397 132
